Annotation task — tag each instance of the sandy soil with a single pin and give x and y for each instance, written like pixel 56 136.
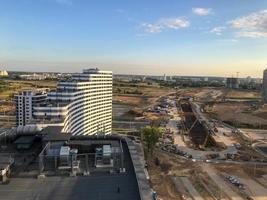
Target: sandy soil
pixel 242 94
pixel 245 174
pixel 7 109
pixel 209 94
pixel 162 183
pixel 130 100
pixel 225 136
pixel 255 134
pixel 256 191
pixel 18 85
pixel 235 112
pixel 161 176
pixel 224 187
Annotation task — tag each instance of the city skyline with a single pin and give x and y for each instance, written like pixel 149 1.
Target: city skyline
pixel 142 37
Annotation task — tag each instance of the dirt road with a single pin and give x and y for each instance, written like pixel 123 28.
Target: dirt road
pixel 191 189
pixel 225 188
pixel 256 191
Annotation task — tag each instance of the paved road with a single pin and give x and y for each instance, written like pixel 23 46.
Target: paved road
pixel 191 189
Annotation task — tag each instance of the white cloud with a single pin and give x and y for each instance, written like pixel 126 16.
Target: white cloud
pixel 253 25
pixel 151 28
pixel 251 34
pixel 228 40
pixel 202 11
pixel 217 30
pixel 166 23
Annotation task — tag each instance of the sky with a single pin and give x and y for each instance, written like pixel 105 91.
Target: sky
pixel 150 37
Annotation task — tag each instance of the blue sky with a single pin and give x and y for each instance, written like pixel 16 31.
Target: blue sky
pixel 175 37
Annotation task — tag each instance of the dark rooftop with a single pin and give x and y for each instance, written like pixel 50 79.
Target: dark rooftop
pixel 29 139
pixel 97 186
pixel 53 134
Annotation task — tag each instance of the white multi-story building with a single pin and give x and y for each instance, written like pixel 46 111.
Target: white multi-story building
pixel 25 101
pixel 82 104
pixel 264 86
pixel 3 73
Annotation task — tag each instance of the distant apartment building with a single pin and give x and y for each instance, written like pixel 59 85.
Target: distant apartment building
pixel 82 105
pixel 264 86
pixel 3 73
pixel 164 77
pixel 33 76
pixel 232 83
pixel 25 101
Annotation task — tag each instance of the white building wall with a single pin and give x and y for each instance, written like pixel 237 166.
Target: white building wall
pixel 88 96
pixel 25 101
pixel 264 86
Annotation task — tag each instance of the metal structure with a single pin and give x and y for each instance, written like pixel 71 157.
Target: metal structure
pixel 195 125
pixel 51 159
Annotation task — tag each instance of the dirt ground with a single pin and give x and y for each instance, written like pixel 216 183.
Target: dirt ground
pixel 242 94
pixel 169 167
pixel 14 86
pixel 148 95
pixel 172 168
pixel 160 175
pixel 129 100
pixel 140 89
pixel 255 134
pixel 239 113
pixel 242 171
pixel 209 94
pixel 140 102
pixel 203 94
pixel 7 109
pixel 250 176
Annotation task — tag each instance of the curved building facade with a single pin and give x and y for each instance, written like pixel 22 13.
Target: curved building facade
pixel 82 104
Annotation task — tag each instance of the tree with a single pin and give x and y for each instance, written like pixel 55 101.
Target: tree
pixel 151 136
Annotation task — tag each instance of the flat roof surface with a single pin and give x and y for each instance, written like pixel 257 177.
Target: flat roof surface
pixel 53 133
pixel 29 139
pixel 71 188
pixel 98 186
pixel 112 142
pixel 52 130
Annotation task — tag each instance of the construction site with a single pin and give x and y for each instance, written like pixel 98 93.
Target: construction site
pixel 209 149
pixel 213 147
pixel 197 129
pixel 203 157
